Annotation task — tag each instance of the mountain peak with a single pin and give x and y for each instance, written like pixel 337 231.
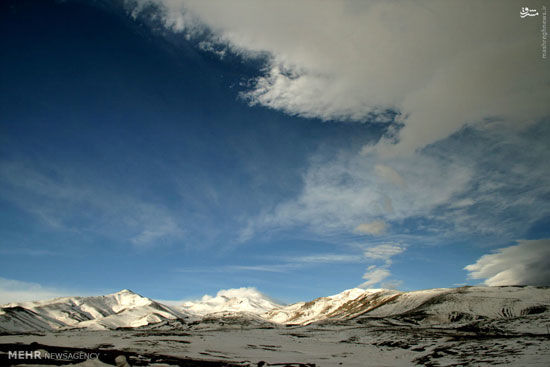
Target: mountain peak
pixel 126 291
pixel 232 300
pixel 121 309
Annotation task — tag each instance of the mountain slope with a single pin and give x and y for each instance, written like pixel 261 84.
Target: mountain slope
pixel 434 305
pixel 121 309
pixel 17 318
pixel 448 305
pixel 342 305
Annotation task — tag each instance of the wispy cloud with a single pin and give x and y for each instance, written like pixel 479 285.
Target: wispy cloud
pixel 18 291
pixel 527 263
pixel 375 274
pixel 510 183
pixel 476 182
pixel 16 250
pixel 344 194
pixel 166 230
pixel 390 175
pixel 64 201
pixel 270 268
pixel 326 258
pixel 286 264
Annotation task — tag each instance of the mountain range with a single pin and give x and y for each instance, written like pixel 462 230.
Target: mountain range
pixel 126 309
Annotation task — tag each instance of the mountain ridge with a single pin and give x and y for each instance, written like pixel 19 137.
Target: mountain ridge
pixel 121 309
pixel 126 309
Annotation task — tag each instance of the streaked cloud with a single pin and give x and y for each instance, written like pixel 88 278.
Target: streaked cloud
pixel 527 263
pixel 270 268
pixel 326 258
pixel 286 265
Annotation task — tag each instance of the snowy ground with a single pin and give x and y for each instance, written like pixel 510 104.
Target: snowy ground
pixel 358 342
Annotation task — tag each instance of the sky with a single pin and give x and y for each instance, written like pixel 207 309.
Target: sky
pixel 181 147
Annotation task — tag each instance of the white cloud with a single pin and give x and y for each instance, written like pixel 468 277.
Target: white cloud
pixel 243 292
pixel 384 251
pixel 376 228
pixel 219 300
pixel 441 64
pixel 527 263
pixel 374 275
pixel 17 291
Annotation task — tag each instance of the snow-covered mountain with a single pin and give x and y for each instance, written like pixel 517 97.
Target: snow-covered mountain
pixel 454 304
pixel 121 309
pixel 128 309
pixel 247 300
pixel 343 305
pixel 440 305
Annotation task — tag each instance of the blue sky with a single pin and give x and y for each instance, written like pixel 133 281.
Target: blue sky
pixel 178 147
